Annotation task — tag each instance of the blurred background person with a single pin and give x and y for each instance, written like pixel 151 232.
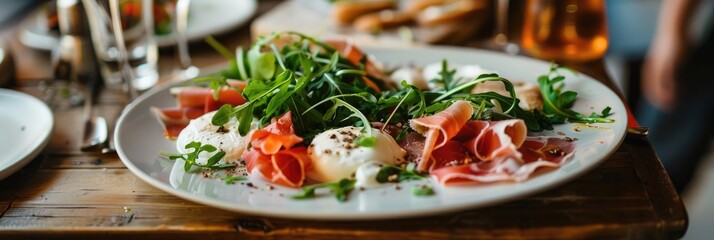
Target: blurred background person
pixel 677 85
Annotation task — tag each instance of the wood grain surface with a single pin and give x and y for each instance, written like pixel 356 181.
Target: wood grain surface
pixel 68 194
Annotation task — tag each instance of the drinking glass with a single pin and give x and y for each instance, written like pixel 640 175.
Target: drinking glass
pixel 180 26
pixel 134 44
pixel 566 30
pixel 501 38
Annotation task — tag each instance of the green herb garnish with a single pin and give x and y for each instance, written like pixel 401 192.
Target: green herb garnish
pixel 397 174
pixel 190 158
pixel 557 104
pixel 423 190
pixel 340 188
pixel 233 179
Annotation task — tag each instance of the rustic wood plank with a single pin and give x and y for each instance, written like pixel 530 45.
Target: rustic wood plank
pixel 82 161
pixel 206 219
pixel 87 186
pixel 668 206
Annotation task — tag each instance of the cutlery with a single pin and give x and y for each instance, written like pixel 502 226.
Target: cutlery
pixel 96 131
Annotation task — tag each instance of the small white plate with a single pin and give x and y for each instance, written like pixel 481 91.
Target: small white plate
pixel 25 127
pixel 139 140
pixel 206 17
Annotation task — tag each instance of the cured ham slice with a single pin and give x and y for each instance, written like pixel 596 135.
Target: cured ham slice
pixel 497 139
pixel 537 153
pixel 192 103
pixel 203 97
pixel 274 156
pixel 279 134
pixel 176 119
pixel 453 153
pixel 286 167
pixel 554 150
pixel 439 128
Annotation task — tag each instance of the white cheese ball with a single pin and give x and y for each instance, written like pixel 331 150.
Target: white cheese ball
pixel 335 155
pixel 226 139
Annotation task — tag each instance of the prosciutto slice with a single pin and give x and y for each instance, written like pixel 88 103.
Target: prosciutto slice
pixel 192 102
pixel 285 167
pixel 274 155
pixel 176 119
pixel 537 153
pixel 497 139
pixel 439 128
pixel 279 134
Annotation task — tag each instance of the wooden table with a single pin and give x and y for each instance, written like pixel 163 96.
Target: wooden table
pixel 65 193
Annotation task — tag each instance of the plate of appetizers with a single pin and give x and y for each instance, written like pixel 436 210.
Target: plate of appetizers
pixel 321 129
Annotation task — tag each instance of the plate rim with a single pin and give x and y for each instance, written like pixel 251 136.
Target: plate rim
pixel 222 204
pixel 39 144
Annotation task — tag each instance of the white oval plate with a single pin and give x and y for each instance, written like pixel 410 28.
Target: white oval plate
pixel 25 127
pixel 139 140
pixel 206 17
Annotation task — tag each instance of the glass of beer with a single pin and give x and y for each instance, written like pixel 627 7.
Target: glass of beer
pixel 565 30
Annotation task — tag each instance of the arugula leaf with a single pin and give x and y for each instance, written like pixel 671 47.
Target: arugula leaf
pixel 240 63
pixel 423 190
pixel 397 174
pixel 340 188
pixel 446 76
pixel 230 179
pixel 368 139
pixel 556 104
pixel 245 117
pixel 387 174
pixel 277 102
pixel 190 158
pixel 223 115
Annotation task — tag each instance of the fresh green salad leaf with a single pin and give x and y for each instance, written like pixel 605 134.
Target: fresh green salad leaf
pixel 423 190
pixel 557 103
pixel 230 179
pixel 190 158
pixel 396 174
pixel 340 188
pixel 390 173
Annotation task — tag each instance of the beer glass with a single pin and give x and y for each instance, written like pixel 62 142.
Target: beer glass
pixel 565 30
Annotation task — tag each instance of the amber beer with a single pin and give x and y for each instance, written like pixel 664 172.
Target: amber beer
pixel 568 30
